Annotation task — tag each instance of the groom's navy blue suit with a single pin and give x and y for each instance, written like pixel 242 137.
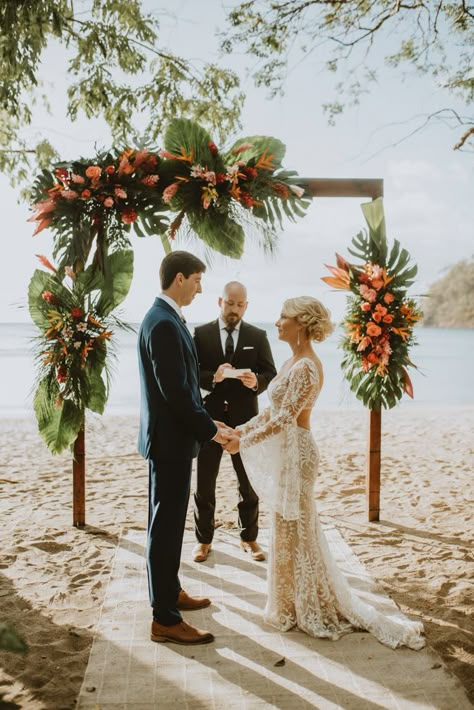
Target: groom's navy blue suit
pixel 173 424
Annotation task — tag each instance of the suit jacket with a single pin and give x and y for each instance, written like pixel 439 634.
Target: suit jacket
pixel 252 351
pixel 173 421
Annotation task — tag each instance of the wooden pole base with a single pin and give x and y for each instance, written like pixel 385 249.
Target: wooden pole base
pixel 373 465
pixel 79 481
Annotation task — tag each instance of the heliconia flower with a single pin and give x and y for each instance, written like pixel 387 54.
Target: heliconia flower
pixel 86 194
pixel 42 224
pixel 125 168
pixel 77 312
pixel 296 190
pixel 109 202
pixel 407 384
pixel 140 157
pixel 120 193
pixel 388 297
pixel 281 190
pixel 166 154
pixel 110 169
pixel 364 343
pixel 170 192
pixel 46 263
pixel 128 216
pixel 373 329
pixel 150 180
pixel 402 332
pixel 340 278
pixel 240 148
pixel 78 179
pixel 93 172
pixel 213 148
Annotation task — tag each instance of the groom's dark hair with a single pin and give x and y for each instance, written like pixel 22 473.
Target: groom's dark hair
pixel 179 262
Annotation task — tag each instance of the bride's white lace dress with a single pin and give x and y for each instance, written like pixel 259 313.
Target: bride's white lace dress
pixel 305 586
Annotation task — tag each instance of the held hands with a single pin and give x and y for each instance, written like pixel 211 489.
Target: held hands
pixel 227 437
pixel 233 444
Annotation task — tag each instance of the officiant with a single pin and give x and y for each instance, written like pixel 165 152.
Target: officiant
pixel 235 365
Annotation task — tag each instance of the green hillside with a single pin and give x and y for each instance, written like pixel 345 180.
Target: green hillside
pixel 451 299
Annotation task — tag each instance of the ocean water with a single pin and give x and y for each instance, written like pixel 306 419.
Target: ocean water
pixel 444 357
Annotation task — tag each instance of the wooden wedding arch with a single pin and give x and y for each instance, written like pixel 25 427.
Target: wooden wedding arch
pixel 315 187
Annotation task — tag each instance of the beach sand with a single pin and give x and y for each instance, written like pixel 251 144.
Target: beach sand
pixel 53 576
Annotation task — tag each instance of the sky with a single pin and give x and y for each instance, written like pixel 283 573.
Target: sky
pixel 427 186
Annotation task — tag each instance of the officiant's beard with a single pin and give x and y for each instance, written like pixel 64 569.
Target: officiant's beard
pixel 232 319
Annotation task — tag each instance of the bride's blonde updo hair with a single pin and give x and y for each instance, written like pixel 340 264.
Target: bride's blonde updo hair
pixel 311 313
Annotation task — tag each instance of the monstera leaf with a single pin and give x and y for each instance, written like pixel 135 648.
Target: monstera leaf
pixel 113 281
pixel 220 233
pixel 40 282
pixel 259 146
pixel 187 138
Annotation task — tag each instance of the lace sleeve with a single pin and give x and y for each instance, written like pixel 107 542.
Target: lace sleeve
pixel 302 385
pixel 257 421
pixel 270 449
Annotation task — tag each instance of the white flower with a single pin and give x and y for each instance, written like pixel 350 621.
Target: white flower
pixel 67 332
pixel 77 344
pixel 210 176
pixel 197 171
pixel 296 190
pixel 81 326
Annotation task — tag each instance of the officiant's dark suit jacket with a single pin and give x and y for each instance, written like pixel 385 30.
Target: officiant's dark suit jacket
pixel 173 424
pixel 230 397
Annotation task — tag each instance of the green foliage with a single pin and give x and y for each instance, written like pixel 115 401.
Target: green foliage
pixel 10 640
pixel 116 71
pixel 450 301
pixel 435 39
pixel 58 423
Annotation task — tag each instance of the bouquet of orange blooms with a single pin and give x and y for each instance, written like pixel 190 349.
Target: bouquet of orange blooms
pixel 379 323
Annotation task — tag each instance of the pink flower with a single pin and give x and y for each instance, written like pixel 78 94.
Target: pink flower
pixel 49 297
pixel 86 193
pixel 366 306
pixel 389 297
pixel 120 193
pixel 129 216
pixel 170 192
pixel 240 148
pixel 94 172
pixel 368 293
pixel 69 194
pixel 109 202
pixel 110 169
pixel 388 318
pixel 150 180
pixel 78 179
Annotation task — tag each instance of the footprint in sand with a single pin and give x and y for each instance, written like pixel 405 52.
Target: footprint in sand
pixel 51 547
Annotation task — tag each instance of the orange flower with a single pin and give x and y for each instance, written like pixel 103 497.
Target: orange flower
pixel 373 329
pixel 388 297
pixel 365 306
pixel 340 278
pixel 377 284
pixel 94 172
pixel 388 318
pixel 407 385
pixel 402 332
pixel 372 358
pixel 364 343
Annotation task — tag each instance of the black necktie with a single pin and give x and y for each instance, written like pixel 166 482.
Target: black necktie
pixel 229 344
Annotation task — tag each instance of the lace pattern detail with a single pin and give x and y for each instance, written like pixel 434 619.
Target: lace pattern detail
pixel 306 588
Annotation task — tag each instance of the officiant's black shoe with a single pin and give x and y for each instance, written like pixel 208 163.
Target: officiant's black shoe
pixel 181 633
pixel 187 603
pixel 201 551
pixel 254 549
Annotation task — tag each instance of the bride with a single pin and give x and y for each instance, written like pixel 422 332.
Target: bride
pixel 305 586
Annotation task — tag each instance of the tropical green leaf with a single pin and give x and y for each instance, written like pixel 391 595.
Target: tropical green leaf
pixel 259 145
pixel 58 425
pixel 117 280
pixel 98 390
pixel 220 233
pixel 40 282
pixel 183 134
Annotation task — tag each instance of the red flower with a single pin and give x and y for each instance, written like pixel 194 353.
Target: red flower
pixel 61 374
pixel 61 173
pixel 77 312
pixel 246 199
pixel 129 216
pixel 220 177
pixel 49 297
pixel 110 169
pixel 85 194
pixel 281 190
pixel 249 172
pixel 213 148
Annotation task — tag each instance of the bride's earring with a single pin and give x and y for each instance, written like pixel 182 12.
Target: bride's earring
pixel 298 340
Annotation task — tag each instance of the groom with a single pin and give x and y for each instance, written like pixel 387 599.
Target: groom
pixel 173 425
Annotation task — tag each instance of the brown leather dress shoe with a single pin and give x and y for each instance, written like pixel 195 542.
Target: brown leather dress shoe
pixel 187 603
pixel 201 551
pixel 254 549
pixel 181 633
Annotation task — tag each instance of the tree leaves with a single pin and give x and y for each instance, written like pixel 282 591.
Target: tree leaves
pixel 58 425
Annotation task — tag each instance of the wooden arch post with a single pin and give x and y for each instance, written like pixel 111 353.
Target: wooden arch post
pixel 373 188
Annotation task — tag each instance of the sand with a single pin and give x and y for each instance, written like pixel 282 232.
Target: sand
pixel 53 576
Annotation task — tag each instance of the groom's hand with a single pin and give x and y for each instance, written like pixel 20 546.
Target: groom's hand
pixel 223 434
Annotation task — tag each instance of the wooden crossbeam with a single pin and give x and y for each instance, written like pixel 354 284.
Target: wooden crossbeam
pixel 342 187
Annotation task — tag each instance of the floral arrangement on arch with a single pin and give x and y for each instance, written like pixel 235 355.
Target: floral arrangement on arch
pixel 380 319
pixel 189 184
pixel 73 314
